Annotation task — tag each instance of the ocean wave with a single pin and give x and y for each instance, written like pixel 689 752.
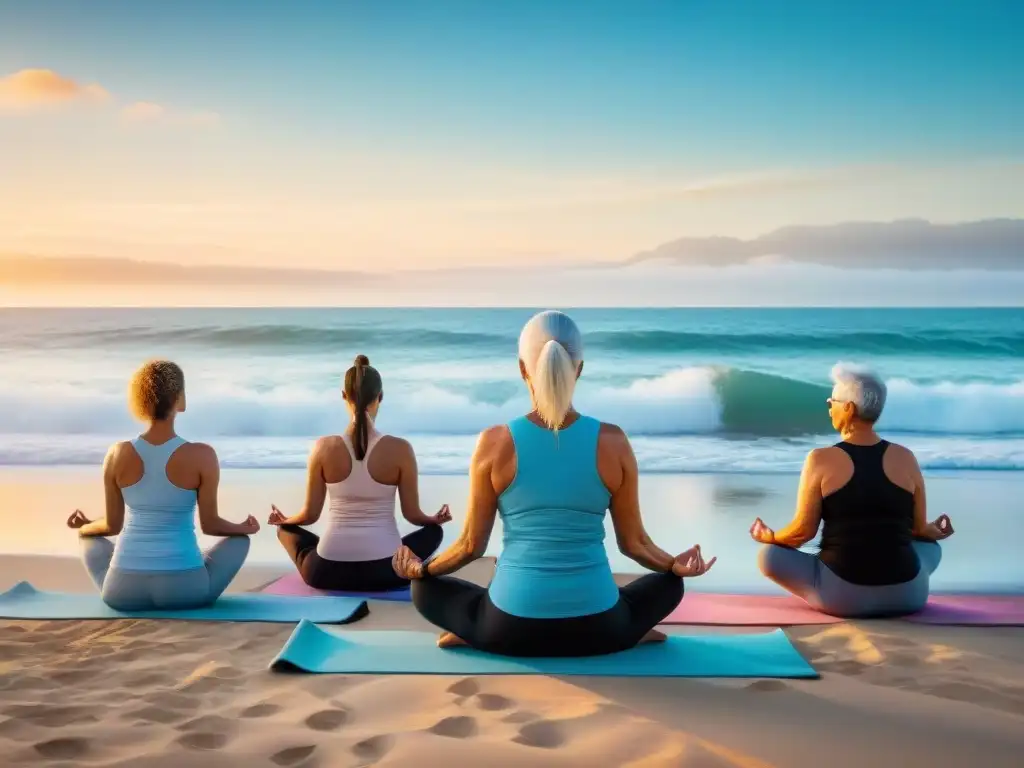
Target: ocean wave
pixel 276 337
pixel 686 401
pixel 450 454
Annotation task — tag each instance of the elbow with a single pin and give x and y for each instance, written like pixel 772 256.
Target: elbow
pixel 474 548
pixel 633 548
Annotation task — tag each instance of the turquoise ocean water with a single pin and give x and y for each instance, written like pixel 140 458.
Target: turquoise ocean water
pixel 698 390
pixel 721 406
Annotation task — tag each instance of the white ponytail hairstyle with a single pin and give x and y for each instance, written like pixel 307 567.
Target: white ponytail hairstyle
pixel 551 348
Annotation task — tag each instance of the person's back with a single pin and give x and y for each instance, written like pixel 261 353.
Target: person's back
pixel 361 471
pixel 153 485
pixel 868 522
pixel 551 476
pixel 553 562
pixel 361 523
pixel 159 527
pixel 877 550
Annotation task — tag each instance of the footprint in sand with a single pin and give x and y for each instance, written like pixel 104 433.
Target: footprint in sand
pixel 209 724
pixel 492 702
pixel 159 715
pixel 544 734
pixel 467 686
pixel 204 741
pixel 264 709
pixel 52 716
pixel 327 719
pixel 292 755
pixel 459 727
pixel 74 676
pixel 63 749
pixel 768 686
pixel 373 748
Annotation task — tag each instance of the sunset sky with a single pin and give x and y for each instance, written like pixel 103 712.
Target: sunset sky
pixel 380 135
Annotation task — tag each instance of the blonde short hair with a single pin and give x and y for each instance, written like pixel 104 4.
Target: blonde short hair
pixel 155 389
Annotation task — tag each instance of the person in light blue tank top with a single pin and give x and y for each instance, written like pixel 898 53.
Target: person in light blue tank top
pixel 551 475
pixel 156 562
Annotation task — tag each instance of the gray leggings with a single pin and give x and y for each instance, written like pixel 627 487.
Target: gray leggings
pixel 164 590
pixel 803 574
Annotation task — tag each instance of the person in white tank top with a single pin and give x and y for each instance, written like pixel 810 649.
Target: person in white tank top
pixel 361 471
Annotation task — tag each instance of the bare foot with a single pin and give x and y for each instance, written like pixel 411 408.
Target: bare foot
pixel 448 640
pixel 654 636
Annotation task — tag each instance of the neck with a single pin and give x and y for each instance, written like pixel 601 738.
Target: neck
pixel 859 433
pixel 160 431
pixel 351 428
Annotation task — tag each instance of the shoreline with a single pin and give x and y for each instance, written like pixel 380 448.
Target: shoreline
pixel 679 510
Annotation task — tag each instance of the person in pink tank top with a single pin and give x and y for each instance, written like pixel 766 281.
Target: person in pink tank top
pixel 361 472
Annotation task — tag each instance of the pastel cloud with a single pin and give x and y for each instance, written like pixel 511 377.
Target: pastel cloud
pixel 33 89
pixel 143 111
pixel 151 112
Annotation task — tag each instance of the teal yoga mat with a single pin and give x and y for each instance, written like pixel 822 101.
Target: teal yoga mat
pixel 315 649
pixel 23 601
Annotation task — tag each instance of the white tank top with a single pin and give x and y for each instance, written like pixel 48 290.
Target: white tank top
pixel 361 521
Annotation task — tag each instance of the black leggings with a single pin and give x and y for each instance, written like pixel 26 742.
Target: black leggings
pixel 466 610
pixel 356 575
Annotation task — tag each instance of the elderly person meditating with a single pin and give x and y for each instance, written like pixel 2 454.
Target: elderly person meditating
pixel 877 548
pixel 551 475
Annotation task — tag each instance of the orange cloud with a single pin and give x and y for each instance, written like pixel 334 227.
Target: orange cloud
pixel 33 89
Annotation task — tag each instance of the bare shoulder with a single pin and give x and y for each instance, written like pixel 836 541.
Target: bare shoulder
pixel 612 437
pixel 325 445
pixel 117 453
pixel 203 454
pixel 396 449
pixel 119 449
pixel 901 454
pixel 494 443
pixel 398 445
pixel 823 458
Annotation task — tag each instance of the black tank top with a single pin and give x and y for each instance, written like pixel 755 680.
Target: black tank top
pixel 868 524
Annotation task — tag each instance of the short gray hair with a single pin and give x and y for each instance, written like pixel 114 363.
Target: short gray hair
pixel 861 387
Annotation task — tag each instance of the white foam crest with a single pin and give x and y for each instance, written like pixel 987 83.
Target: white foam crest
pixel 954 408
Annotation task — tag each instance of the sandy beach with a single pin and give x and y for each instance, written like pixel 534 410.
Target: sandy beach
pixel 170 693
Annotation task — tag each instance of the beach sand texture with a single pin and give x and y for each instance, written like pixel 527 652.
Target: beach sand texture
pixel 168 693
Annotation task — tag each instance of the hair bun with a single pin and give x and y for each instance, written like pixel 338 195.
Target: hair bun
pixel 361 361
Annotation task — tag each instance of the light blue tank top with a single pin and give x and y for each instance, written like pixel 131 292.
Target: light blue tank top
pixel 159 531
pixel 553 564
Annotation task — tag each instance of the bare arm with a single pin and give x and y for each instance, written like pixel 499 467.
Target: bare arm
pixel 316 490
pixel 632 537
pixel 922 528
pixel 483 506
pixel 113 520
pixel 804 525
pixel 409 487
pixel 210 521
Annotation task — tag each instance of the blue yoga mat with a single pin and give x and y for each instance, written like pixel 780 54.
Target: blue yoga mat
pixel 315 649
pixel 23 601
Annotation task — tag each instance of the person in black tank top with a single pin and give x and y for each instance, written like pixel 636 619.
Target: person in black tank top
pixel 867 525
pixel 877 550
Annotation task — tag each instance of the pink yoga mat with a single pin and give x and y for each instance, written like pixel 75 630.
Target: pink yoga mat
pixel 293 585
pixel 782 611
pixel 746 610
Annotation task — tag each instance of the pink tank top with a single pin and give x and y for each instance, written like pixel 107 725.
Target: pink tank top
pixel 361 521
